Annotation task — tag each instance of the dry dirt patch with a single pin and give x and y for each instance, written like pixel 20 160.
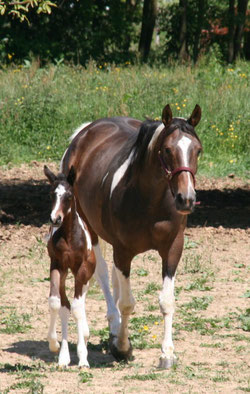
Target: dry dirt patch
pixel 210 325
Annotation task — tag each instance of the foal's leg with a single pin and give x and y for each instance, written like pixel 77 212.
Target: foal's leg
pixel 54 307
pixel 78 311
pixel 120 344
pixel 170 261
pixel 101 275
pixel 64 357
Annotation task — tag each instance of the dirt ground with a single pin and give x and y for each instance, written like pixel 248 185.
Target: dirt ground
pixel 211 323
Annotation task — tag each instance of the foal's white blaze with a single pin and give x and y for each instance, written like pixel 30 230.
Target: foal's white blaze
pixel 184 144
pixel 60 190
pixel 155 137
pixel 166 300
pixel 87 236
pixel 118 175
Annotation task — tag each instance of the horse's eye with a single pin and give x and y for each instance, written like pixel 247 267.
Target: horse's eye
pixel 167 151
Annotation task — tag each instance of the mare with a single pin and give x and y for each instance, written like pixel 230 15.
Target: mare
pixel 134 187
pixel 69 247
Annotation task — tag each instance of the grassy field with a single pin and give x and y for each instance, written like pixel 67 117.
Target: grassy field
pixel 40 108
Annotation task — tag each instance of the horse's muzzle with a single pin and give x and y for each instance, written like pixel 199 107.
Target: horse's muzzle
pixel 56 222
pixel 185 205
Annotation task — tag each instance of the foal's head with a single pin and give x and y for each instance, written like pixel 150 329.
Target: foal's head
pixel 178 153
pixel 61 194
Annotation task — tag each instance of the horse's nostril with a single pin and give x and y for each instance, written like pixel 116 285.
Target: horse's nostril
pixel 58 220
pixel 180 198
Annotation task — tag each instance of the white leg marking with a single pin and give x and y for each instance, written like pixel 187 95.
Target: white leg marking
pixel 115 285
pixel 120 172
pixel 54 306
pixel 87 236
pixel 155 137
pixel 64 357
pixel 60 190
pixel 183 145
pixel 126 307
pixel 101 275
pixel 166 300
pixel 79 313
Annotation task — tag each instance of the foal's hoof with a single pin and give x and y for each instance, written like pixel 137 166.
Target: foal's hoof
pixel 166 363
pixel 54 346
pixel 120 355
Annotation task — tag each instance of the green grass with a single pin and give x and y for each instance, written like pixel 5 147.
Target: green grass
pixel 14 323
pixel 40 108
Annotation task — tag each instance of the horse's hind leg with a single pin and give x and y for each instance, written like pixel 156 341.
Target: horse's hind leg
pixel 54 307
pixel 120 345
pixel 64 356
pixel 170 260
pixel 102 277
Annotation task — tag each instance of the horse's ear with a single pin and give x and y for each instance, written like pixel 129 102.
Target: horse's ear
pixel 196 116
pixel 167 115
pixel 71 176
pixel 49 174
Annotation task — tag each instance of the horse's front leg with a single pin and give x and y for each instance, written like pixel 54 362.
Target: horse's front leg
pixel 54 307
pixel 120 345
pixel 170 260
pixel 102 277
pixel 64 356
pixel 79 314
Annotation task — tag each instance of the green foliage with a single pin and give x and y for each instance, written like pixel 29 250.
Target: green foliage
pixel 214 14
pixel 40 107
pixel 85 376
pixel 14 323
pixel 20 9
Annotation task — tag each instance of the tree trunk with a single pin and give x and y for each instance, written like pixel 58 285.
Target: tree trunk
pixel 231 29
pixel 183 53
pixel 241 18
pixel 147 29
pixel 201 5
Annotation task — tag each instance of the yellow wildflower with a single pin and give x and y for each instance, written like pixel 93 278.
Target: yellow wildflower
pixel 145 328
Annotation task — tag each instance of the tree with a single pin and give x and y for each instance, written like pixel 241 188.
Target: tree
pixel 236 24
pixel 147 28
pixel 183 53
pixel 20 8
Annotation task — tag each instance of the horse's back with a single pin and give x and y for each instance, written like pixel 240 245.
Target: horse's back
pixel 100 140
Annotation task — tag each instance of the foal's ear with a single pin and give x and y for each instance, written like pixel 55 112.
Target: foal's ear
pixel 71 176
pixel 196 116
pixel 49 174
pixel 167 115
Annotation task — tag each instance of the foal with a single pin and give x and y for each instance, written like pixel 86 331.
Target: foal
pixel 69 247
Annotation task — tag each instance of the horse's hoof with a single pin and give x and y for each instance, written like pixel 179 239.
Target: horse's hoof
pixel 166 363
pixel 54 346
pixel 120 355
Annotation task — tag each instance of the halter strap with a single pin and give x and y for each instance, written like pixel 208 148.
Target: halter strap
pixel 171 174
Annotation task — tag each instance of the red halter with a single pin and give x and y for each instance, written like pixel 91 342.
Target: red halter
pixel 171 174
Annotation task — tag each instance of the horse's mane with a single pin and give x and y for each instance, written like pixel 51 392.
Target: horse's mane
pixel 147 130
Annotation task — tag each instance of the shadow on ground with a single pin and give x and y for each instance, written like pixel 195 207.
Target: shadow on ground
pixel 28 203
pixel 39 350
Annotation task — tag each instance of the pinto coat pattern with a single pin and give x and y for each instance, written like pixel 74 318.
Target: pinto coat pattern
pixel 135 186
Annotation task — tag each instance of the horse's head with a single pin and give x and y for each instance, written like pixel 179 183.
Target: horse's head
pixel 178 151
pixel 61 194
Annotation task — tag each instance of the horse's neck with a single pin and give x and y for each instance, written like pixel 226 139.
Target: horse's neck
pixel 71 221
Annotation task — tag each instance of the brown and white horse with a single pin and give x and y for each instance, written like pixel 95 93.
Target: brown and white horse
pixel 69 247
pixel 135 187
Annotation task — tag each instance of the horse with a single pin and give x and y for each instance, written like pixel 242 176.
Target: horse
pixel 69 247
pixel 135 187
